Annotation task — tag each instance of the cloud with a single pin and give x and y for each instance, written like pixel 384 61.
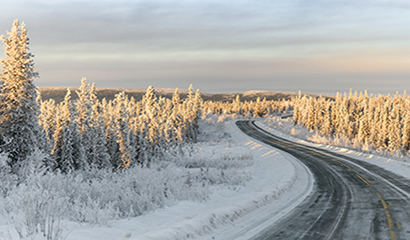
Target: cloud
pixel 210 42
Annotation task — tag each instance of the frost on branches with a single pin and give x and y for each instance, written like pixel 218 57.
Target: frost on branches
pixel 364 122
pixel 119 133
pixel 20 132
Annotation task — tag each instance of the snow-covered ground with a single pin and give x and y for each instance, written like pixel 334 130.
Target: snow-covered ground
pixel 276 183
pixel 248 177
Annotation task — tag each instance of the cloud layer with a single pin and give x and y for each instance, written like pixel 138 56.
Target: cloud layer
pixel 219 46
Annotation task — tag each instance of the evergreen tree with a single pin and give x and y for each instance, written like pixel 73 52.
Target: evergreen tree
pixel 310 121
pixel 122 132
pixel 406 133
pixel 259 110
pixel 20 132
pixel 98 153
pixel 151 116
pixel 175 98
pixel 47 119
pixel 394 129
pixel 296 112
pixel 68 151
pixel 236 108
pixel 327 128
pixel 108 116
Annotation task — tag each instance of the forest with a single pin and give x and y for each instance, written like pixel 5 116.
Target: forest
pixel 364 122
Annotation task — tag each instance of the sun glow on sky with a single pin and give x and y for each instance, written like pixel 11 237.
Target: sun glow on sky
pixel 219 46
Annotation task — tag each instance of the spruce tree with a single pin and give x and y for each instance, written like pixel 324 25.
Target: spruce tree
pixel 68 151
pixel 122 131
pixel 310 121
pixel 20 132
pixel 98 154
pixel 406 133
pixel 47 120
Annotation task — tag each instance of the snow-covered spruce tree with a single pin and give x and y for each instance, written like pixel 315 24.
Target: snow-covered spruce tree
pixel 297 115
pixel 394 129
pixel 236 105
pixel 258 111
pixel 99 153
pixel 20 132
pixel 151 112
pixel 191 114
pixel 83 118
pixel 68 151
pixel 310 120
pixel 150 123
pixel 326 128
pixel 95 143
pixel 122 131
pixel 406 133
pixel 47 120
pixel 108 116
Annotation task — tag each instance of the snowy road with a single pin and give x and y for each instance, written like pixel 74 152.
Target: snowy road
pixel 351 199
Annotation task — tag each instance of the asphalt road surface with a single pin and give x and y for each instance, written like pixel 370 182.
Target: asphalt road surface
pixel 351 199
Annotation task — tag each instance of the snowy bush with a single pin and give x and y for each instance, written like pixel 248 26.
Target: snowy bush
pixel 36 210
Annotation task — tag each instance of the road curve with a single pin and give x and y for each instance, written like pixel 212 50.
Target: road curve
pixel 351 199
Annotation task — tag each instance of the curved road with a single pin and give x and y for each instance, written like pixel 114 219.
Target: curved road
pixel 351 199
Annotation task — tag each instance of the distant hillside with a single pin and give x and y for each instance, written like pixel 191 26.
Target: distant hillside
pixel 109 93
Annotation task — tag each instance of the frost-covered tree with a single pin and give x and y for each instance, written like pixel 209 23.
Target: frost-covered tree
pixel 47 119
pixel 394 129
pixel 310 122
pixel 83 115
pixel 406 133
pixel 381 123
pixel 20 132
pixel 176 100
pixel 327 128
pixel 259 110
pixel 151 115
pixel 122 132
pixel 68 150
pixel 98 155
pixel 297 115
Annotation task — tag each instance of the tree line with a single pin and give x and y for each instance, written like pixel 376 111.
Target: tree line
pixel 369 122
pixel 118 133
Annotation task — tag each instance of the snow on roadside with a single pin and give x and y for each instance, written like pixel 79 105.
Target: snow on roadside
pixel 278 184
pixel 398 166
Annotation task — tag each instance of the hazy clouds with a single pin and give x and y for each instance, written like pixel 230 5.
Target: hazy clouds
pixel 218 45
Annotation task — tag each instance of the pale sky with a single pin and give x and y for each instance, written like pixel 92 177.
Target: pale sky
pixel 316 46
